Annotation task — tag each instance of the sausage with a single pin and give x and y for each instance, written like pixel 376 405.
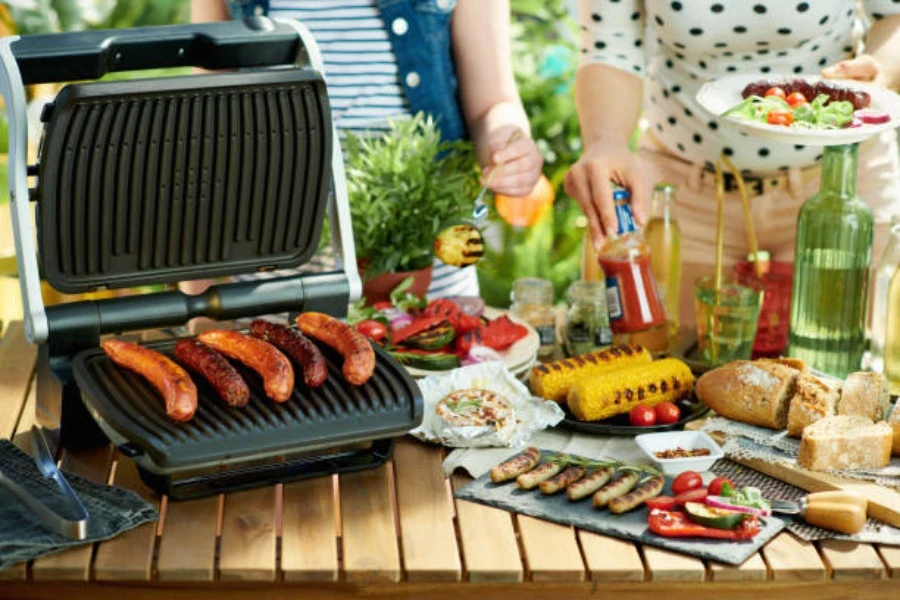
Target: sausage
pixel 213 367
pixel 359 357
pixel 264 358
pixel 650 488
pixel 559 483
pixel 543 472
pixel 516 465
pixel 591 483
pixel 171 381
pixel 297 346
pixel 615 488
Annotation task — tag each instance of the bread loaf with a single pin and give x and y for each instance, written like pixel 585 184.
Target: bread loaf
pixel 814 399
pixel 894 422
pixel 845 442
pixel 865 394
pixel 753 392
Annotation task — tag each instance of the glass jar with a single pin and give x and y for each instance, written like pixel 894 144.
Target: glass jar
pixel 532 302
pixel 587 320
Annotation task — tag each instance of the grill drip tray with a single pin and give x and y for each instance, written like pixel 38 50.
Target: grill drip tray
pixel 337 427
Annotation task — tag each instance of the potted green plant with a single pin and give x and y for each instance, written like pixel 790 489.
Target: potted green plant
pixel 405 186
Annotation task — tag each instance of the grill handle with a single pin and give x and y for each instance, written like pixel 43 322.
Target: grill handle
pixel 254 42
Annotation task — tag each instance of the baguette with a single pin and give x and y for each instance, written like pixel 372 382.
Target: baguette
pixel 865 395
pixel 758 393
pixel 894 422
pixel 845 442
pixel 814 399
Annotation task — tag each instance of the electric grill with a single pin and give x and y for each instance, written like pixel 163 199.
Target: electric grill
pixel 179 178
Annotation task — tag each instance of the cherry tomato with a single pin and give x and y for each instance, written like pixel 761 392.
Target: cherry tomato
pixel 796 99
pixel 780 117
pixel 697 495
pixel 687 481
pixel 667 413
pixel 775 91
pixel 382 304
pixel 661 503
pixel 374 330
pixel 642 416
pixel 717 486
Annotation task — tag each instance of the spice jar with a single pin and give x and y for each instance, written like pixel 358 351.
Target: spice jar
pixel 532 302
pixel 587 320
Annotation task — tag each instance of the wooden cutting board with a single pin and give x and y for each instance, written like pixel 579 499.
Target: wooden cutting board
pixel 884 503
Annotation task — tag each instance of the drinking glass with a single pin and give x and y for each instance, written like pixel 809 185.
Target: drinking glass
pixel 775 316
pixel 726 319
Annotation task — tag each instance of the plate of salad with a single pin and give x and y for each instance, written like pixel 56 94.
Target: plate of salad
pixel 802 109
pixel 437 336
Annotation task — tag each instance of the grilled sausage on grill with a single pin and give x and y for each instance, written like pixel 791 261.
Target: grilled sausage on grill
pixel 650 488
pixel 359 357
pixel 297 346
pixel 213 367
pixel 264 358
pixel 517 465
pixel 170 380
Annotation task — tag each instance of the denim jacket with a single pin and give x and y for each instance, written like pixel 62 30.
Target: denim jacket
pixel 419 31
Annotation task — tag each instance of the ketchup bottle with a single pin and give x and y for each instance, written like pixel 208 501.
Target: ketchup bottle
pixel 636 314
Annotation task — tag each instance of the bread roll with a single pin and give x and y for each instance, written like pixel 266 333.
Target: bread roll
pixel 894 422
pixel 865 394
pixel 845 442
pixel 753 392
pixel 814 399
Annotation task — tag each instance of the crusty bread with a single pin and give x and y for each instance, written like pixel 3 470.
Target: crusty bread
pixel 845 442
pixel 814 399
pixel 753 392
pixel 794 363
pixel 865 394
pixel 894 422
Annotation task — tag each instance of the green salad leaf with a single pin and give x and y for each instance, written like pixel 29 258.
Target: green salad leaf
pixel 751 497
pixel 818 114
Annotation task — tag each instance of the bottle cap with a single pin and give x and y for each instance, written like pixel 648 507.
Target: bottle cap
pixel 761 256
pixel 664 186
pixel 621 198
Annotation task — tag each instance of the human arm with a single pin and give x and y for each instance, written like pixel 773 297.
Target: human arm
pixel 204 11
pixel 488 96
pixel 880 61
pixel 608 99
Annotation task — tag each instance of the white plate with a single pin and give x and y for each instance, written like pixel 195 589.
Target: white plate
pixel 722 94
pixel 516 358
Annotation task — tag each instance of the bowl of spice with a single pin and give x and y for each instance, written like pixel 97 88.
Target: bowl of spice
pixel 676 451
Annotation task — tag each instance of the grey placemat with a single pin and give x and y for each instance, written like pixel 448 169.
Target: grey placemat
pixel 112 510
pixel 630 526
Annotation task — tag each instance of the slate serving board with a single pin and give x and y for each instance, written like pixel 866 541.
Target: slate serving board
pixel 629 526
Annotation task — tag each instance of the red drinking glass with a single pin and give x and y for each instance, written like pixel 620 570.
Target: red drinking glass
pixel 774 317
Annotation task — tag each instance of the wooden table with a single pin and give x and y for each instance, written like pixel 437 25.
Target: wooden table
pixel 391 532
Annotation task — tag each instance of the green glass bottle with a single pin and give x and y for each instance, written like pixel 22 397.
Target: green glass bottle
pixel 831 270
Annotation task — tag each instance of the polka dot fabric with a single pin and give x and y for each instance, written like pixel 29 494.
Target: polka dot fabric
pixel 679 46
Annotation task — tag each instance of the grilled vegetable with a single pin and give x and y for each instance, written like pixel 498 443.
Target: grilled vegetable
pixel 459 245
pixel 710 516
pixel 619 391
pixel 499 334
pixel 427 361
pixel 453 312
pixel 678 524
pixel 417 326
pixel 436 336
pixel 553 380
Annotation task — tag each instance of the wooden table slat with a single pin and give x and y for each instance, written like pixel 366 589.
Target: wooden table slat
pixel 248 548
pixel 309 546
pixel 187 547
pixel 609 559
pixel 669 566
pixel 75 563
pixel 128 557
pixel 17 361
pixel 551 550
pixel 753 569
pixel 891 557
pixel 370 542
pixel 488 539
pixel 852 560
pixel 430 552
pixel 792 559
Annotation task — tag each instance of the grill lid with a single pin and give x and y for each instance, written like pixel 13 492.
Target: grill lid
pixel 337 413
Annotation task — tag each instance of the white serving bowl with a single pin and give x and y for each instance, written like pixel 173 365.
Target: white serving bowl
pixel 689 440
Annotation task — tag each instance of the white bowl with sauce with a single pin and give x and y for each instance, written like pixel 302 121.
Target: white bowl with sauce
pixel 652 443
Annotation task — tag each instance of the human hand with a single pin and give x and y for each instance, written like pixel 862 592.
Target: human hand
pixel 516 165
pixel 590 180
pixel 862 68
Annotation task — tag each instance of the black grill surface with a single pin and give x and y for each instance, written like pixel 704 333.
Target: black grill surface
pixel 336 413
pixel 180 178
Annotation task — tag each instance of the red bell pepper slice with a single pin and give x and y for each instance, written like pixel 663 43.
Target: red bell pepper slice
pixel 499 334
pixel 462 323
pixel 677 524
pixel 417 326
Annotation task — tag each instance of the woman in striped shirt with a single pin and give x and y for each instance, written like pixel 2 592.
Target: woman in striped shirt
pixel 387 59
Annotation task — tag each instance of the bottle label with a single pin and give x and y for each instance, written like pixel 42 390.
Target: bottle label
pixel 624 216
pixel 547 335
pixel 603 336
pixel 613 298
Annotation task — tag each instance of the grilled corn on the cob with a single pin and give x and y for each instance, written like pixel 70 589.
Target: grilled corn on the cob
pixel 617 392
pixel 553 380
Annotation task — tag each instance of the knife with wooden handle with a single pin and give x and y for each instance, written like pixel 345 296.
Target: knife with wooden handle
pixel 843 511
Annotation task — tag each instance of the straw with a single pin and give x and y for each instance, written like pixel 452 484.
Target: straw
pixel 748 218
pixel 720 224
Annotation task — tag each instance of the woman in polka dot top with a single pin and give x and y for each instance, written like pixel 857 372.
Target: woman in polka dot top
pixel 662 52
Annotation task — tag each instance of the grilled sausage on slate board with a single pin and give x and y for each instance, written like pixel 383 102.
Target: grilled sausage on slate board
pixel 170 380
pixel 297 346
pixel 213 367
pixel 516 465
pixel 589 484
pixel 559 483
pixel 359 357
pixel 532 478
pixel 650 488
pixel 620 485
pixel 264 358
